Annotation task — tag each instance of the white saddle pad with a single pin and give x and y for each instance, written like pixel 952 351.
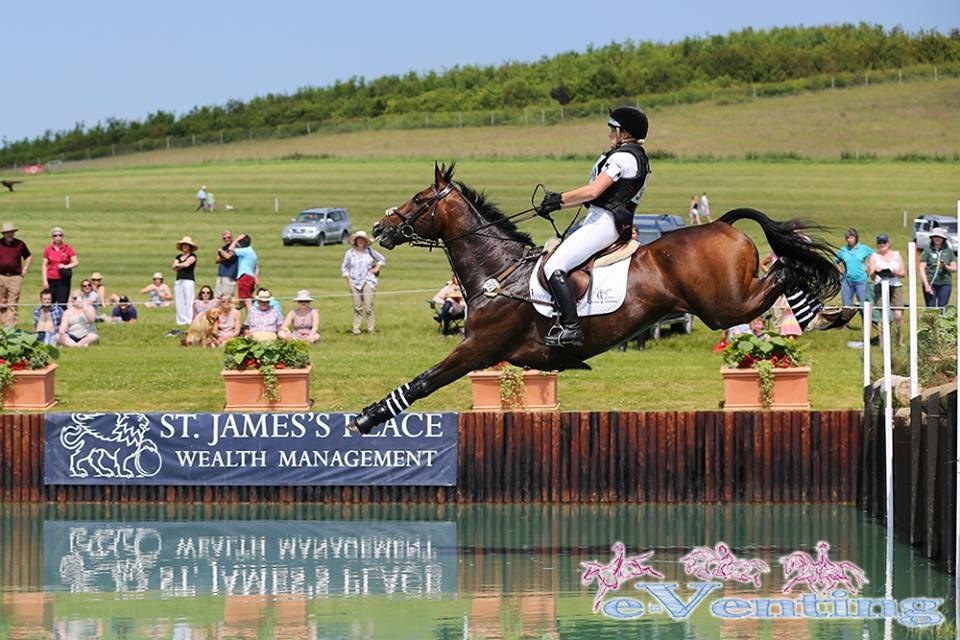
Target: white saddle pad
pixel 606 293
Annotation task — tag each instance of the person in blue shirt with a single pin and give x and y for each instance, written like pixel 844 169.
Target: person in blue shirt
pixel 248 267
pixel 851 260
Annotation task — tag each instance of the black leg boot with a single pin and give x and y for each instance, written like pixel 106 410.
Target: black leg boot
pixel 567 332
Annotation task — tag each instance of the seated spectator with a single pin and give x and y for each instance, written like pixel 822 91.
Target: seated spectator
pixel 89 294
pixel 758 327
pixel 46 319
pixel 204 301
pixel 124 311
pixel 159 292
pixel 449 305
pixel 229 326
pixel 97 279
pixel 263 319
pixel 303 323
pixel 78 326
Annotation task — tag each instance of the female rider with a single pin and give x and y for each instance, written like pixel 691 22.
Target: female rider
pixel 616 183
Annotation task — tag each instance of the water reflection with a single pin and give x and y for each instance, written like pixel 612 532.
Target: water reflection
pixel 403 571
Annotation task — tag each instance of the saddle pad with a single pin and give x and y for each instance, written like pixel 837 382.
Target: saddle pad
pixel 606 294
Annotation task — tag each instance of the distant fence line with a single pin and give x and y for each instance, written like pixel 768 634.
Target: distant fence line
pixel 526 116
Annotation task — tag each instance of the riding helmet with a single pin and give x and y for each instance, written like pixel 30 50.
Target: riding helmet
pixel 630 119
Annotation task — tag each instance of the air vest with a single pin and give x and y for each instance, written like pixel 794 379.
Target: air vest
pixel 621 197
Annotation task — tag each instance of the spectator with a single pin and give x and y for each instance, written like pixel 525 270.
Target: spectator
pixel 89 294
pixel 694 215
pixel 449 304
pixel 205 301
pixel 226 267
pixel 211 202
pixel 303 323
pixel 97 279
pixel 705 207
pixel 360 268
pixel 46 319
pixel 758 327
pixel 78 325
pixel 202 198
pixel 15 261
pixel 59 261
pixel 184 287
pixel 887 265
pixel 263 319
pixel 851 259
pixel 938 262
pixel 123 311
pixel 229 325
pixel 159 292
pixel 248 268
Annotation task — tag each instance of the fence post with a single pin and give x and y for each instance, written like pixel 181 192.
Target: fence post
pixel 936 75
pixel 193 139
pixel 168 142
pixel 221 136
pixel 250 133
pixel 308 128
pixel 113 149
pixel 67 202
pixel 460 117
pixel 833 82
pixel 426 120
pixel 543 116
pixel 899 76
pixel 904 217
pixel 276 204
pixel 866 78
pixel 754 91
pixel 491 119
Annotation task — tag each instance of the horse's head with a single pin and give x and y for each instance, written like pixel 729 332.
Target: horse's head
pixel 421 217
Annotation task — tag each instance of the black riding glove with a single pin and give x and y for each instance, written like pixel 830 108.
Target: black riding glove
pixel 552 201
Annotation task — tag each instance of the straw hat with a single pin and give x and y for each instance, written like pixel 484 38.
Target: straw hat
pixel 187 240
pixel 7 227
pixel 264 295
pixel 303 296
pixel 96 276
pixel 359 234
pixel 940 231
pixel 158 275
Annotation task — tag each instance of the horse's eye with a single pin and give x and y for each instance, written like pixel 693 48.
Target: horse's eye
pixel 417 199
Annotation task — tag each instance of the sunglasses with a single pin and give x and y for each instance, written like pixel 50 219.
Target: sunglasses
pixel 57 235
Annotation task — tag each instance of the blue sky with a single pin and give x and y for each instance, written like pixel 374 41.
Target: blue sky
pixel 69 62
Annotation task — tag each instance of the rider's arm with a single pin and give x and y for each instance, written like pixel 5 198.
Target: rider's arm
pixel 587 192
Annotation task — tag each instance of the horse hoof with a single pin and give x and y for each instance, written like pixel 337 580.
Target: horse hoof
pixel 362 424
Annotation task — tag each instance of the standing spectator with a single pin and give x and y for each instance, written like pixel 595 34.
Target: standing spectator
pixel 263 320
pixel 185 287
pixel 449 304
pixel 124 311
pixel 205 301
pixel 159 292
pixel 78 325
pixel 226 267
pixel 229 325
pixel 15 261
pixel 360 268
pixel 248 267
pixel 705 207
pixel 851 259
pixel 211 201
pixel 59 261
pixel 46 319
pixel 694 215
pixel 202 198
pixel 938 262
pixel 303 323
pixel 887 265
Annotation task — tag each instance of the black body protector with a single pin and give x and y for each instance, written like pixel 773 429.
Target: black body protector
pixel 622 196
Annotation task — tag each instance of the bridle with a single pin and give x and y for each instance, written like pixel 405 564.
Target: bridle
pixel 406 228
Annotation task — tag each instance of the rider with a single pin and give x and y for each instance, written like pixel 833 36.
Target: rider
pixel 616 183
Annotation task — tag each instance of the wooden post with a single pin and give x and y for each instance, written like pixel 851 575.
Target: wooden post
pixel 308 128
pixel 276 204
pixel 899 76
pixel 491 119
pixel 754 91
pixel 250 133
pixel 543 116
pixel 833 82
pixel 936 74
pixel 113 149
pixel 193 139
pixel 460 118
pixel 221 136
pixel 67 202
pixel 866 78
pixel 426 120
pixel 168 142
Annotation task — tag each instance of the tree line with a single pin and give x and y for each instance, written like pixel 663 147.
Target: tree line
pixel 618 69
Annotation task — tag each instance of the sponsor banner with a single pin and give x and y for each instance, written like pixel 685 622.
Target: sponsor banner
pixel 248 449
pixel 251 557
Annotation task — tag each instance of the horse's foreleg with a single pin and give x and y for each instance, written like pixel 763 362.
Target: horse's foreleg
pixel 465 358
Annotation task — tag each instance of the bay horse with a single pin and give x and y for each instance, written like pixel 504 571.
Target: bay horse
pixel 709 270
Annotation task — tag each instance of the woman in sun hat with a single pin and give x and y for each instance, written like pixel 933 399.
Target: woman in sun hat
pixel 185 287
pixel 303 322
pixel 360 268
pixel 159 292
pixel 938 261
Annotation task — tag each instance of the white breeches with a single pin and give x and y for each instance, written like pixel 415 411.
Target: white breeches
pixel 597 232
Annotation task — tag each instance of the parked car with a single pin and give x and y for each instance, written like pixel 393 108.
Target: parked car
pixel 318 227
pixel 925 223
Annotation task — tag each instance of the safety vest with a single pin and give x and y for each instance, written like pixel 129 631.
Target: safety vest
pixel 622 196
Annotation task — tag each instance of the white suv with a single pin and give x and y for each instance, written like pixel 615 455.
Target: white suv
pixel 926 222
pixel 318 227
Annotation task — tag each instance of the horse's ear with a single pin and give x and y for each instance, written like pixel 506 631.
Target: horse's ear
pixel 437 174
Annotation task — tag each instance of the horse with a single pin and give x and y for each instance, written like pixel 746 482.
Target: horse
pixel 709 270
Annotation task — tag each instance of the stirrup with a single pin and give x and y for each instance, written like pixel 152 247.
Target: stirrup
pixel 563 336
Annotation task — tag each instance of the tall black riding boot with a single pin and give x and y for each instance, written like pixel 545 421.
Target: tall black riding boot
pixel 567 331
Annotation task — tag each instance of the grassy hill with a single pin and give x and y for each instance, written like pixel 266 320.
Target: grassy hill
pixel 884 121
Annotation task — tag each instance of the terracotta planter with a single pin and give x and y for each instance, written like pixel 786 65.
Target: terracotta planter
pixel 31 390
pixel 741 389
pixel 540 386
pixel 245 390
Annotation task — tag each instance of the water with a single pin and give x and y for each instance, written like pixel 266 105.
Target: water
pixel 413 571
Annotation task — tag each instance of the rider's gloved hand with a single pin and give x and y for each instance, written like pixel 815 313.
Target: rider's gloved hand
pixel 552 201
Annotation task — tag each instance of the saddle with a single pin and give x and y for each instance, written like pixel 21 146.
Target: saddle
pixel 581 276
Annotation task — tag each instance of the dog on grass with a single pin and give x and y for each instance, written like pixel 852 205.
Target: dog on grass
pixel 203 330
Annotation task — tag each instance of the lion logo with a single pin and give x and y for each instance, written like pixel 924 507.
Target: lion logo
pixel 124 452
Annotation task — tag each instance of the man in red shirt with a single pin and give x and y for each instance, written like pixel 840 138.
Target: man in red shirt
pixel 15 260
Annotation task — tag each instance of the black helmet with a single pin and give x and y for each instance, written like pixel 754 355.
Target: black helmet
pixel 630 119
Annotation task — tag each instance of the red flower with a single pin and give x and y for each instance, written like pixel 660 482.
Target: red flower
pixel 746 362
pixel 279 365
pixel 249 362
pixel 720 346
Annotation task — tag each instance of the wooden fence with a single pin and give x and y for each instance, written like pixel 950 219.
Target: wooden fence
pixel 552 457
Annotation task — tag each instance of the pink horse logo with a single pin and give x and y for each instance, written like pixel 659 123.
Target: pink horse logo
pixel 823 574
pixel 720 564
pixel 620 569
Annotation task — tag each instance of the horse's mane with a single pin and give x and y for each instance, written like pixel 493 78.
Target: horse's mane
pixel 490 212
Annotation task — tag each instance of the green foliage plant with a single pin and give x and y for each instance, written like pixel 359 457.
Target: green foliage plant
pixel 19 351
pixel 244 353
pixel 764 353
pixel 513 394
pixel 937 347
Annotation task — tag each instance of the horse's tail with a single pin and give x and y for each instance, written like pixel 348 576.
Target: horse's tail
pixel 805 263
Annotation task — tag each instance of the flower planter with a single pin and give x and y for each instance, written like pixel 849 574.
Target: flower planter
pixel 32 389
pixel 741 389
pixel 540 387
pixel 245 390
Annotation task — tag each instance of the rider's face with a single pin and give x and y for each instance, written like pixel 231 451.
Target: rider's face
pixel 612 134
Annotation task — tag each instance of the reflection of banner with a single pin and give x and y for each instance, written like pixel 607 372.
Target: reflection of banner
pixel 248 449
pixel 243 557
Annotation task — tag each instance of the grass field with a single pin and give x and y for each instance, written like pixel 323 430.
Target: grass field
pixel 125 222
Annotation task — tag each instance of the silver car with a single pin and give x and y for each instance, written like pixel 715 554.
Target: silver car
pixel 318 227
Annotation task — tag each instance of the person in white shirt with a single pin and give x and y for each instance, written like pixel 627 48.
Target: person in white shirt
pixel 360 268
pixel 885 264
pixel 202 198
pixel 705 207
